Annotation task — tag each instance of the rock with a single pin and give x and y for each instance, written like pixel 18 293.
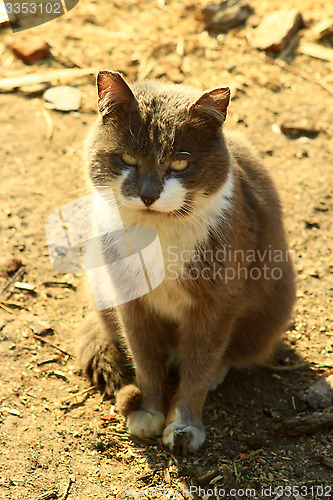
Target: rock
pixel 296 129
pixel 276 29
pixel 34 90
pixel 30 49
pixel 41 328
pixel 63 98
pixel 17 482
pixel 255 442
pixel 223 16
pixel 318 395
pixel 11 266
pixel 206 476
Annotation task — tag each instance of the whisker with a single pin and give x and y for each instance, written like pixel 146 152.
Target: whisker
pixel 178 215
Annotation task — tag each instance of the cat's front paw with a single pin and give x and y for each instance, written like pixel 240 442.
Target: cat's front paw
pixel 183 438
pixel 145 423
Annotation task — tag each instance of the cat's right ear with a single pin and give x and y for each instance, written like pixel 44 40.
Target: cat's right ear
pixel 212 105
pixel 113 92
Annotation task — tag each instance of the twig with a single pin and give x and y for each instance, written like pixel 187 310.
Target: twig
pixel 184 491
pixel 10 84
pixel 284 66
pixel 81 393
pixel 316 50
pixel 286 368
pixel 19 305
pixel 52 345
pixel 6 308
pixel 300 426
pixel 61 284
pixel 49 123
pixel 48 495
pixel 70 481
pixel 51 360
pixel 25 286
pixel 142 440
pixel 12 280
pixel 31 395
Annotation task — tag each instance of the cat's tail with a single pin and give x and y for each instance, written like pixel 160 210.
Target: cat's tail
pixel 107 363
pixel 128 399
pixel 104 361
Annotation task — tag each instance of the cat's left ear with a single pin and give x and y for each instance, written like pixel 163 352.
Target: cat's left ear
pixel 113 92
pixel 213 105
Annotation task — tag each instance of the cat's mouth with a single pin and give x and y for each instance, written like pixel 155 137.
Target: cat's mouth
pixel 152 211
pixel 184 210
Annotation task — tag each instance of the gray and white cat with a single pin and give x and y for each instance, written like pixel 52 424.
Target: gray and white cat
pixel 162 150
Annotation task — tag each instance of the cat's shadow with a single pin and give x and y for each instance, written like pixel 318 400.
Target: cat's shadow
pixel 238 417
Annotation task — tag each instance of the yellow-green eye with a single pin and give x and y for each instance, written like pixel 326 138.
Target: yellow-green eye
pixel 129 159
pixel 179 165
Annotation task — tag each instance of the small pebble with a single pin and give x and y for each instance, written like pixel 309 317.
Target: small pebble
pixel 30 49
pixel 63 98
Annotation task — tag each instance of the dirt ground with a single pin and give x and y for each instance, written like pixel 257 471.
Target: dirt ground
pixel 46 443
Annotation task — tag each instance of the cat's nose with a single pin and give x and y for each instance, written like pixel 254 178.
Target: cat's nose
pixel 148 200
pixel 150 192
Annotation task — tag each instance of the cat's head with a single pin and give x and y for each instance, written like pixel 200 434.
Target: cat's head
pixel 159 147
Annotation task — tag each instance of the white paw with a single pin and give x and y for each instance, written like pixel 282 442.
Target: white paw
pixel 145 423
pixel 183 438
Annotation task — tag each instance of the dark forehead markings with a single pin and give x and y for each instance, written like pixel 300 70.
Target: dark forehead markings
pixel 155 131
pixel 159 123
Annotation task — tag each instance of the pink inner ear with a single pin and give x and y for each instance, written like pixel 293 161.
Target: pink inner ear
pixel 221 97
pixel 214 103
pixel 112 87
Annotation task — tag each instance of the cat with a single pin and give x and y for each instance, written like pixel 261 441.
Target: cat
pixel 229 286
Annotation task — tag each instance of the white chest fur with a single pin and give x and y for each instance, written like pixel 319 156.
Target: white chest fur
pixel 170 299
pixel 179 238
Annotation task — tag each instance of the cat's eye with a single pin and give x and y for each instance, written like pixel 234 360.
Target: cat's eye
pixel 179 165
pixel 129 159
